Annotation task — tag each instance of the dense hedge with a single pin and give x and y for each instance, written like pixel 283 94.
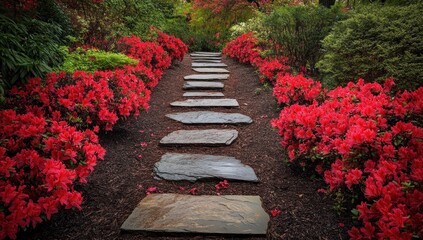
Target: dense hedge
pixel 299 31
pixel 376 43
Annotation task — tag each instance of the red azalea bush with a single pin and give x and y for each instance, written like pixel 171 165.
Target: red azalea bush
pixel 85 99
pixel 358 140
pixel 367 144
pixel 172 45
pixel 43 152
pixel 40 160
pixel 245 49
pixel 291 89
pixel 149 54
pixel 270 69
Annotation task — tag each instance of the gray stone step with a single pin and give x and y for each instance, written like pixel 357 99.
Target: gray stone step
pixel 209 117
pixel 207 77
pixel 231 214
pixel 209 102
pixel 203 94
pixel 206 60
pixel 208 137
pixel 193 167
pixel 210 70
pixel 204 55
pixel 210 53
pixel 209 65
pixel 203 85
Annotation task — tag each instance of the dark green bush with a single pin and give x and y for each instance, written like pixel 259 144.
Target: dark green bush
pixel 27 48
pixel 375 43
pixel 299 31
pixel 91 60
pixel 49 11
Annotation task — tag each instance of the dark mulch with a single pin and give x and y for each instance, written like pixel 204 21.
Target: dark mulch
pixel 119 182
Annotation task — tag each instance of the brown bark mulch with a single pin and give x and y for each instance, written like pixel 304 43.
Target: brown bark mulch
pixel 119 182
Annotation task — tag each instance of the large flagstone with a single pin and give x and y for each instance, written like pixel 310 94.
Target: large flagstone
pixel 209 117
pixel 193 167
pixel 211 70
pixel 230 214
pixel 209 102
pixel 209 65
pixel 208 137
pixel 203 85
pixel 200 77
pixel 203 94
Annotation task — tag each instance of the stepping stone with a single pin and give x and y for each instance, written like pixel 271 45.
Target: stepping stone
pixel 203 94
pixel 210 102
pixel 209 65
pixel 205 60
pixel 211 53
pixel 203 85
pixel 207 77
pixel 208 117
pixel 209 137
pixel 211 70
pixel 193 167
pixel 204 55
pixel 230 214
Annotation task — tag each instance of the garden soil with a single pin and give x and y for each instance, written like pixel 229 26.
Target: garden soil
pixel 119 182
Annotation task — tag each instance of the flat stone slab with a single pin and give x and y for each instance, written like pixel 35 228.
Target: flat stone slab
pixel 209 117
pixel 211 53
pixel 211 70
pixel 203 85
pixel 209 65
pixel 207 77
pixel 203 94
pixel 230 214
pixel 193 167
pixel 208 137
pixel 206 60
pixel 205 55
pixel 209 102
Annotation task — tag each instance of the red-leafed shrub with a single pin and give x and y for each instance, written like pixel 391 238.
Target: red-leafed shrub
pixel 358 140
pixel 85 99
pixel 40 160
pixel 172 45
pixel 296 89
pixel 245 49
pixel 270 69
pixel 149 54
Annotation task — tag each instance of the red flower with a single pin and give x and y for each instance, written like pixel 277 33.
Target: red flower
pixel 275 212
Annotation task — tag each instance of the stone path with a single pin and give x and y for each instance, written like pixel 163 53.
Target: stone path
pixel 230 214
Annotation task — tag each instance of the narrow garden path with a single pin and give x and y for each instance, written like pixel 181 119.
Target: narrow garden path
pixel 243 148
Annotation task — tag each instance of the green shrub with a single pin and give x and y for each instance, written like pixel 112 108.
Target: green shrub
pixel 299 31
pixel 28 47
pixel 91 60
pixel 375 43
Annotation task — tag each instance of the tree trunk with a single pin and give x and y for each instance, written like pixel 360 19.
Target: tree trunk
pixel 327 3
